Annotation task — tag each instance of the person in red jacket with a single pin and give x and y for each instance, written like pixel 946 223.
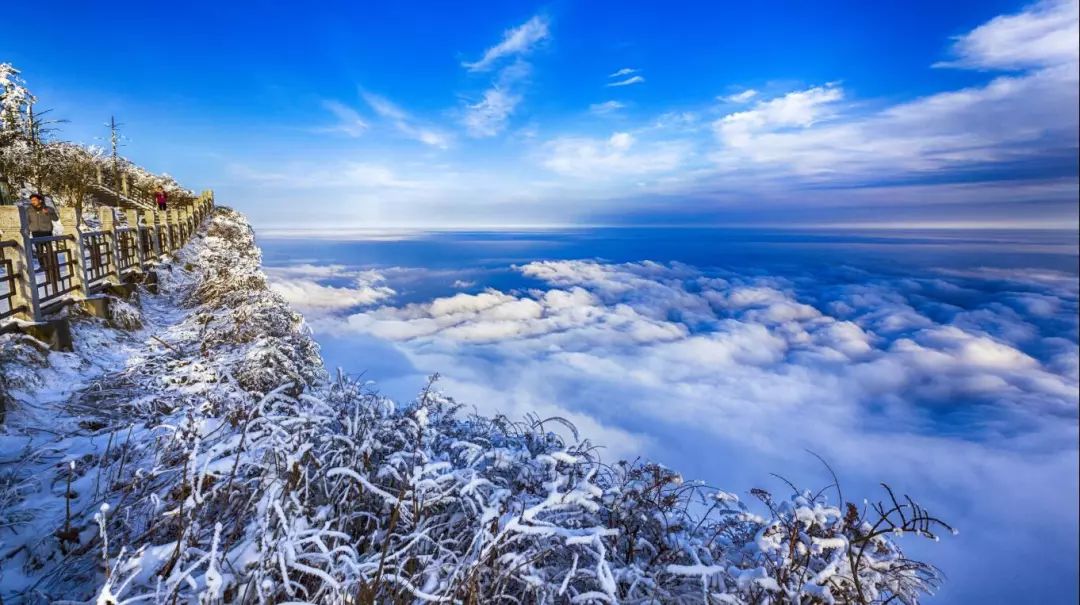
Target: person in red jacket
pixel 160 197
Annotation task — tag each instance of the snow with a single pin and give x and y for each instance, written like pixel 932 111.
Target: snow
pixel 212 459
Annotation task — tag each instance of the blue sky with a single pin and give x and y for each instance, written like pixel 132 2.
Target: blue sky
pixel 563 113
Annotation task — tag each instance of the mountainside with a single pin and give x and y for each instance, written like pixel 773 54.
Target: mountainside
pixel 194 449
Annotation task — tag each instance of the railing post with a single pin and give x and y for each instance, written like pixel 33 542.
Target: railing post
pixel 181 229
pixel 71 221
pixel 15 225
pixel 133 223
pixel 189 218
pixel 150 218
pixel 167 243
pixel 162 228
pixel 175 237
pixel 107 216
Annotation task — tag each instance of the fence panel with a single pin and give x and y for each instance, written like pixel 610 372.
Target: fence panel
pixel 54 267
pixel 8 280
pixel 97 257
pixel 127 248
pixel 146 241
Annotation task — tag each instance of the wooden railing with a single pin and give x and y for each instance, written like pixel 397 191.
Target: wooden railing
pixel 39 273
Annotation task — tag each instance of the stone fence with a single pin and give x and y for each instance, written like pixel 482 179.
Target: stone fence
pixel 39 275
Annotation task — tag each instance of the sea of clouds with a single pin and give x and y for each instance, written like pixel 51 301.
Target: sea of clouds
pixel 959 387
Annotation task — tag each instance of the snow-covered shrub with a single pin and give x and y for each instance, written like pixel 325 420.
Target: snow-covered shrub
pixel 124 315
pixel 20 355
pixel 338 496
pixel 236 307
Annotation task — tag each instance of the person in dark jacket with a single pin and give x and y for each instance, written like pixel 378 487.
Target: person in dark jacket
pixel 160 197
pixel 41 216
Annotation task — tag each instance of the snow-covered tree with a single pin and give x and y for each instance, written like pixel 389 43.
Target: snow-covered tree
pixel 16 106
pixel 30 159
pixel 15 101
pixel 69 171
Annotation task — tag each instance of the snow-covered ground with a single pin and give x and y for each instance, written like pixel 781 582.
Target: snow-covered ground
pixel 79 425
pixel 193 449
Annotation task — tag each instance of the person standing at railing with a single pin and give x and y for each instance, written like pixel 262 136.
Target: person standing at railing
pixel 161 197
pixel 41 215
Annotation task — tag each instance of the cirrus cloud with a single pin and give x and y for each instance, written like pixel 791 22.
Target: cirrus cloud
pixel 516 41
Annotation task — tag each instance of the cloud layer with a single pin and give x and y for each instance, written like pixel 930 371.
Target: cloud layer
pixel 959 386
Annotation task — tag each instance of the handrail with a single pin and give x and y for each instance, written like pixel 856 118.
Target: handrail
pixel 51 238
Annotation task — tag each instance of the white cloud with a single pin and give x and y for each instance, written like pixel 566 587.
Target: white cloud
pixel 350 122
pixel 628 81
pixel 489 117
pixel 616 156
pixel 607 107
pixel 1011 118
pixel 375 176
pixel 801 108
pixel 1044 35
pixel 752 350
pixel 626 71
pixel 516 41
pixel 309 271
pixel 368 176
pixel 741 97
pixel 491 114
pixel 806 131
pixel 405 124
pixel 302 288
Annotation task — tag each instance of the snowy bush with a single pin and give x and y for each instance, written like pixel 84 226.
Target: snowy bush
pixel 20 355
pixel 338 496
pixel 124 315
